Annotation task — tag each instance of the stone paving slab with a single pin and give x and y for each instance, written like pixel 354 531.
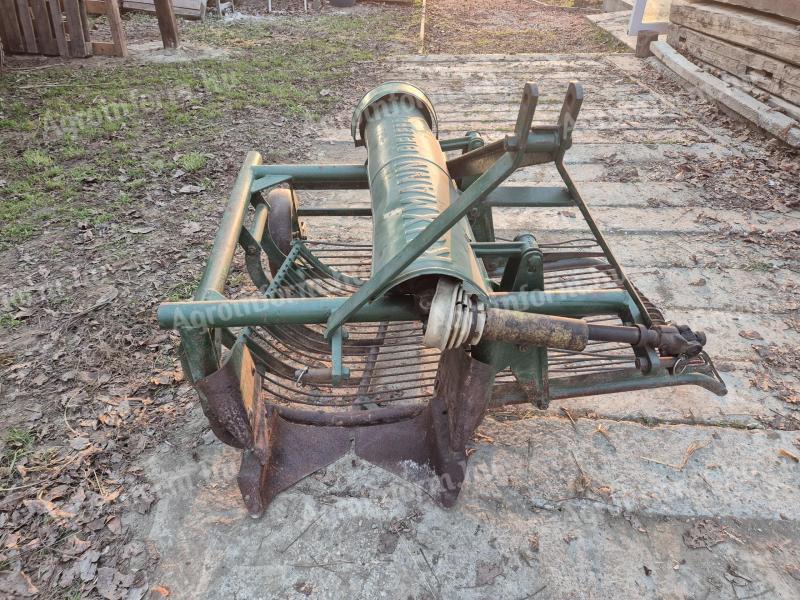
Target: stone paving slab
pixel 699 502
pixel 563 510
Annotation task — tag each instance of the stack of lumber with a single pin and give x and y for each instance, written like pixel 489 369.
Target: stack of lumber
pixel 188 9
pixel 752 45
pixel 57 28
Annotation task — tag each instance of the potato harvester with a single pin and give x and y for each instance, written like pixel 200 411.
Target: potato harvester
pixel 394 349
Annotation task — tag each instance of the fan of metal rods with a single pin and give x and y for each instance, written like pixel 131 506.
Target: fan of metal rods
pixel 387 361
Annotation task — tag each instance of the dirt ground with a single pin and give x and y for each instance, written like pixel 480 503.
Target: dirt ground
pixel 511 26
pixel 113 176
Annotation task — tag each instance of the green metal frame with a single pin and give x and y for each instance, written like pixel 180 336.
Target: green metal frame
pixel 205 322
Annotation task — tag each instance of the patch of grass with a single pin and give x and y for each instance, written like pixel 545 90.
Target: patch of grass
pixel 92 216
pixel 20 438
pixel 181 291
pixel 36 159
pixel 93 123
pixel 757 265
pixel 7 322
pixel 192 162
pixel 71 152
pixel 18 443
pixel 606 40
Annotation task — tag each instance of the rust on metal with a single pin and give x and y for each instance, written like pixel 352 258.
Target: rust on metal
pixel 283 445
pixel 517 327
pixel 232 394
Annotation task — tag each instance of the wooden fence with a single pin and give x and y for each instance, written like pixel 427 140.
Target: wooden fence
pixel 58 28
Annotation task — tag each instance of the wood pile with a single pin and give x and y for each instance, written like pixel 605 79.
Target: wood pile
pixel 753 45
pixel 58 28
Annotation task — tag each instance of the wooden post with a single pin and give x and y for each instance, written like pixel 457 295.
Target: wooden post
pixel 42 26
pixel 77 43
pixel 12 36
pixel 87 35
pixel 117 31
pixel 167 23
pixel 24 18
pixel 58 27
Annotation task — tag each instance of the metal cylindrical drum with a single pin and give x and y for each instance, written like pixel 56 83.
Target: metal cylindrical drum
pixel 410 186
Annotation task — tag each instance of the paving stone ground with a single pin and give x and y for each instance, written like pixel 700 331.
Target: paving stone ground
pixel 602 507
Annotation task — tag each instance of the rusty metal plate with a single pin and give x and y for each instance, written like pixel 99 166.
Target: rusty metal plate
pixel 232 393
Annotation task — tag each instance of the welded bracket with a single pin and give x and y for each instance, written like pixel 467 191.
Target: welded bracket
pixel 523 272
pixel 338 371
pixel 268 181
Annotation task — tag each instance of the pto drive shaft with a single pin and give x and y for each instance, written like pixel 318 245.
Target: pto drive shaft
pixel 573 334
pixel 516 327
pixel 457 318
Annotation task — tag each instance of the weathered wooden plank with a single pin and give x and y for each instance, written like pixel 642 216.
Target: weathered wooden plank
pixel 167 23
pixel 188 9
pixel 12 36
pixel 26 26
pixel 781 105
pixel 43 28
pixel 96 7
pixel 117 30
pixel 87 35
pixel 775 123
pixel 104 49
pixel 770 74
pixel 57 21
pixel 196 5
pixel 789 9
pixel 77 43
pixel 768 35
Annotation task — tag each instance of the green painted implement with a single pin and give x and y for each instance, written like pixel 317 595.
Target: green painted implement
pixel 395 348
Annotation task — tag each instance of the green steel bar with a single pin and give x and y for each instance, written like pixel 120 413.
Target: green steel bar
pixel 501 249
pixel 613 382
pixel 530 197
pixel 294 311
pixel 627 381
pixel 511 196
pixel 259 224
pixel 355 211
pixel 318 176
pixel 564 303
pixel 278 311
pixel 455 144
pixel 268 181
pixel 227 238
pixel 249 239
pixel 601 240
pixel 541 145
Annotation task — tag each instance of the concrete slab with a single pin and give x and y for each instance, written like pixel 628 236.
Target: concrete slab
pixel 615 23
pixel 664 494
pixel 549 509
